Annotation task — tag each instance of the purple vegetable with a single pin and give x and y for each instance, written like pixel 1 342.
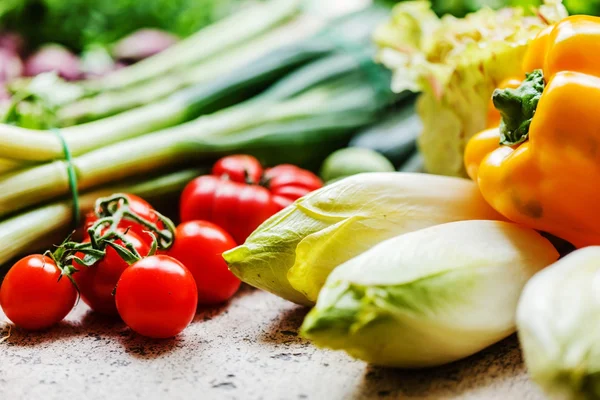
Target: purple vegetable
pixel 11 66
pixel 12 41
pixel 53 57
pixel 142 44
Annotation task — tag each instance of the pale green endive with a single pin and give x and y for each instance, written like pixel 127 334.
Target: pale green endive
pixel 293 252
pixel 429 297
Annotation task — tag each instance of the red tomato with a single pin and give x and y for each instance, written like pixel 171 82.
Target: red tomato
pixel 32 296
pixel 288 183
pixel 157 297
pixel 239 168
pixel 97 283
pixel 138 206
pixel 236 207
pixel 199 246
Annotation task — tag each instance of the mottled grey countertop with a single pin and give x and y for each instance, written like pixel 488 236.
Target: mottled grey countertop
pixel 248 349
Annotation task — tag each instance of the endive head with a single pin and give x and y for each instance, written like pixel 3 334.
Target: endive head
pixel 429 297
pixel 559 326
pixel 292 253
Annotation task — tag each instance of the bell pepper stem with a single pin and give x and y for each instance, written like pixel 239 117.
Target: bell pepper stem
pixel 517 108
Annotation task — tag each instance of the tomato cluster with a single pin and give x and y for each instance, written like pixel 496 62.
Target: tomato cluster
pixel 240 195
pixel 156 296
pixel 117 271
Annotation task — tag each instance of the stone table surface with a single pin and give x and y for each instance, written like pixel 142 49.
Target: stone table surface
pixel 248 349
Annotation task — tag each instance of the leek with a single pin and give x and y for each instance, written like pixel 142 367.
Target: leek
pixel 34 145
pixel 113 102
pixel 342 34
pixel 347 98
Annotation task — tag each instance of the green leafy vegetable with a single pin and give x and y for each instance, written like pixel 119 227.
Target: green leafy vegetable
pixel 429 297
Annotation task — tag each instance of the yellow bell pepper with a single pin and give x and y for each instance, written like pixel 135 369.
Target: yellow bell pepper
pixel 541 166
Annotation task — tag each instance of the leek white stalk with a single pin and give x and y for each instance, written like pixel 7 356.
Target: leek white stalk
pixel 429 297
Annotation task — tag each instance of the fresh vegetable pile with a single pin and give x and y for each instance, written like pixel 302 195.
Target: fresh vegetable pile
pixel 402 269
pixel 413 271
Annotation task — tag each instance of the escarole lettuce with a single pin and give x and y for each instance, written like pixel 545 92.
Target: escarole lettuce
pixel 456 64
pixel 559 326
pixel 429 297
pixel 293 252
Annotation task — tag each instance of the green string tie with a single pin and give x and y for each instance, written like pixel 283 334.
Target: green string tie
pixel 72 176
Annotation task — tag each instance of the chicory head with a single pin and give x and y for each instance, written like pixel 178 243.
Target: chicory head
pixel 429 297
pixel 293 252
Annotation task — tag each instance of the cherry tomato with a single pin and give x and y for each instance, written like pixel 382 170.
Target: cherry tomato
pixel 239 168
pixel 236 207
pixel 199 246
pixel 157 297
pixel 288 183
pixel 33 297
pixel 138 206
pixel 97 282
